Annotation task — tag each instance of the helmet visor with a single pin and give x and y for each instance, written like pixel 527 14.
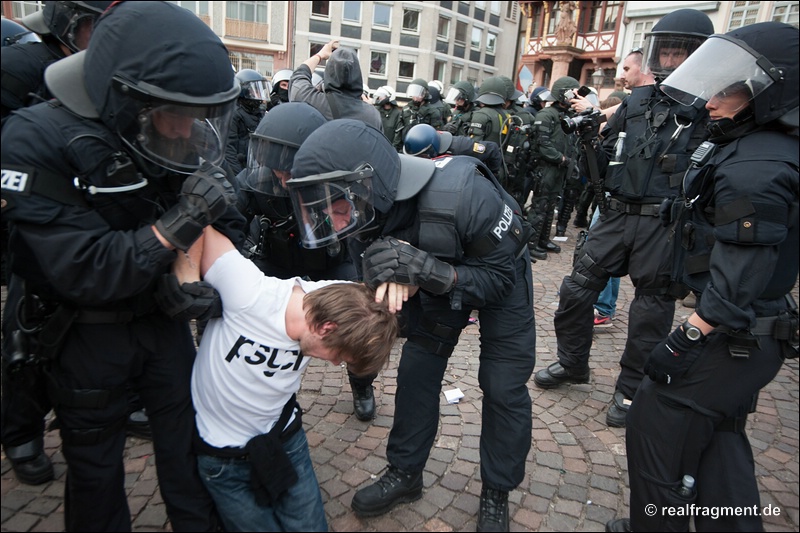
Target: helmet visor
pixel 416 90
pixel 663 53
pixel 331 206
pixel 263 156
pixel 704 76
pixel 454 94
pixel 180 137
pixel 256 90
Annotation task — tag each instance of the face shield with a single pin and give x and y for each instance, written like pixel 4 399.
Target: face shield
pixel 382 97
pixel 663 53
pixel 416 91
pixel 453 95
pixel 264 156
pixel 257 90
pixel 179 136
pixel 740 76
pixel 79 30
pixel 331 206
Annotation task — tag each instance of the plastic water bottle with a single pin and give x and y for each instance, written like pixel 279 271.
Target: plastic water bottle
pixel 618 148
pixel 686 490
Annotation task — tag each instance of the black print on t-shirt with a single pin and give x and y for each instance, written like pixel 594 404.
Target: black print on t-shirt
pixel 254 353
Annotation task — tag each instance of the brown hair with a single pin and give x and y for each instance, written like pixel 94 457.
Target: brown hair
pixel 365 329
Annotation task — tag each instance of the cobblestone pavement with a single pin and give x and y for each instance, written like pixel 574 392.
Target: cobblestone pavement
pixel 576 476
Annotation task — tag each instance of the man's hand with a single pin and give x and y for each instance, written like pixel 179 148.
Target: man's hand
pixel 671 358
pixel 202 200
pixel 187 301
pixel 328 49
pixel 392 260
pixel 395 294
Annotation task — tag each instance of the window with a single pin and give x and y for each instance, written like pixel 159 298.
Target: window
pixel 742 14
pixel 477 38
pixel 461 32
pixel 537 19
pixel 198 8
pixel 640 30
pixel 438 69
pixel 786 12
pixel 247 11
pixel 555 16
pixel 405 69
pixel 314 48
pixel 455 73
pixel 495 8
pixel 590 21
pixel 351 12
pixel 377 64
pixel 480 5
pixel 22 9
pixel 321 9
pixel 261 63
pixel 511 10
pixel 443 30
pixel 381 15
pixel 610 19
pixel 491 43
pixel 410 20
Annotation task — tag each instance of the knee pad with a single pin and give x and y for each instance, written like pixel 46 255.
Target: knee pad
pixel 588 274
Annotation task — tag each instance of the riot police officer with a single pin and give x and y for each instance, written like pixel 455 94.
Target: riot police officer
pixel 538 100
pixel 64 28
pixel 100 204
pixel 280 88
pixel 518 155
pixel 419 110
pixel 737 234
pixel 391 115
pixel 424 141
pixel 249 112
pixel 660 137
pixel 13 33
pixel 436 90
pixel 273 242
pixel 461 95
pixel 448 228
pixel 556 153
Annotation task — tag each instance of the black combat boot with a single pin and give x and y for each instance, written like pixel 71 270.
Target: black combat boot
pixel 363 401
pixel 544 237
pixel 138 425
pixel 556 375
pixel 30 463
pixel 395 486
pixel 493 510
pixel 618 410
pixel 621 525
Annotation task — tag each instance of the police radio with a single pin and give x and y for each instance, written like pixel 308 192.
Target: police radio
pixel 703 154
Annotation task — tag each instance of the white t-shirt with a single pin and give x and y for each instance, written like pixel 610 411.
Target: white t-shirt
pixel 247 367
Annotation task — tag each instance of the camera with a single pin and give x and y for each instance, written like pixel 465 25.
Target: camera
pixel 584 122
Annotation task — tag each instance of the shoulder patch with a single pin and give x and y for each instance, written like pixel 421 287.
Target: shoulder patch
pixel 478 125
pixel 478 148
pixel 17 180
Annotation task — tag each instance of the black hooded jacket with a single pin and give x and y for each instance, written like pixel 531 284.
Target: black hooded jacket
pixel 343 88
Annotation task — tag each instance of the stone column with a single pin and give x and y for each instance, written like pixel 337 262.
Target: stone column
pixel 562 56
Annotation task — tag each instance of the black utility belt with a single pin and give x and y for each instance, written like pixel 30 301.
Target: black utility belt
pixel 645 210
pixel 781 328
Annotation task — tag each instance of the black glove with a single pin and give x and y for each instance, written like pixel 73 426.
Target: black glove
pixel 671 358
pixel 451 127
pixel 197 300
pixel 202 200
pixel 391 260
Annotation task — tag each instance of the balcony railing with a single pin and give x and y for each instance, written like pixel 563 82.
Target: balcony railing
pixel 590 42
pixel 255 31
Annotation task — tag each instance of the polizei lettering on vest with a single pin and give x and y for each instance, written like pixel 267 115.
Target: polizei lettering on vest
pixel 504 223
pixel 13 180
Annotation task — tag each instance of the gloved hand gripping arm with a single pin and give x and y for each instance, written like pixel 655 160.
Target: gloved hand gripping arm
pixel 202 200
pixel 389 259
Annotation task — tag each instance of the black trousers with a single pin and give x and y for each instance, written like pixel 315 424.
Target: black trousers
pixel 671 431
pixel 507 357
pixel 156 356
pixel 620 245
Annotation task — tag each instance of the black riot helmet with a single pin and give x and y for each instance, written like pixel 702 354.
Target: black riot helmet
pixel 169 94
pixel 760 73
pixel 253 85
pixel 13 33
pixel 674 38
pixel 539 96
pixel 564 89
pixel 274 144
pixel 337 187
pixel 70 22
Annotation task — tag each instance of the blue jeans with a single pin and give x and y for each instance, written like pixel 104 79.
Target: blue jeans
pixel 298 509
pixel 607 301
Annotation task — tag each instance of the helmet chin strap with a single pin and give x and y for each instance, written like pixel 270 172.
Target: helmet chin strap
pixel 731 128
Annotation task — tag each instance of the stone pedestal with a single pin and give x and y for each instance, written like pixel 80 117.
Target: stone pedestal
pixel 562 56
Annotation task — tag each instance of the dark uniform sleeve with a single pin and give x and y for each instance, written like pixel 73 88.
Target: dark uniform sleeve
pixel 544 126
pixel 491 277
pixel 235 164
pixel 485 151
pixel 744 262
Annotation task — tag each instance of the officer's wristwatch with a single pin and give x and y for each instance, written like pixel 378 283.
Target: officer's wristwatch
pixel 692 333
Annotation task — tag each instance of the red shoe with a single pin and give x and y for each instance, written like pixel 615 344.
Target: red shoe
pixel 602 321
